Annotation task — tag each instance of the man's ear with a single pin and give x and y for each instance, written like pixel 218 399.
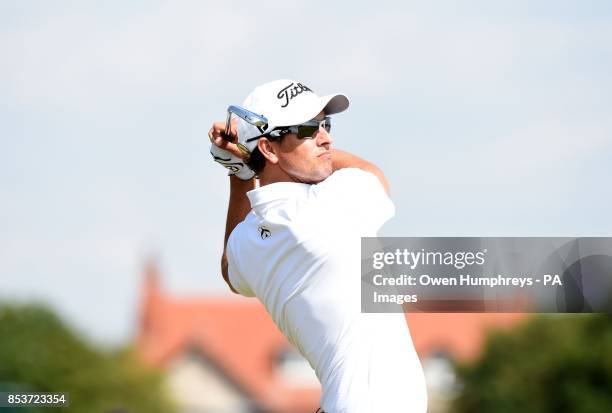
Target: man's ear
pixel 268 150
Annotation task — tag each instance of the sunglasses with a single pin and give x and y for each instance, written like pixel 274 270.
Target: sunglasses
pixel 306 130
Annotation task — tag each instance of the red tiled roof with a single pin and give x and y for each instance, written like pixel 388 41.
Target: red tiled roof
pixel 235 333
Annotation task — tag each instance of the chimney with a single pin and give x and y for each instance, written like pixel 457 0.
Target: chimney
pixel 152 299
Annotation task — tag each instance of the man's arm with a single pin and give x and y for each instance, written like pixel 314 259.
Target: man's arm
pixel 237 210
pixel 342 159
pixel 239 205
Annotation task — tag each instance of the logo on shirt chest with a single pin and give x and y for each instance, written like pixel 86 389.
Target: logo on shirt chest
pixel 264 232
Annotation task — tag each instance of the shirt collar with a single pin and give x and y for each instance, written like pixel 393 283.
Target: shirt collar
pixel 278 190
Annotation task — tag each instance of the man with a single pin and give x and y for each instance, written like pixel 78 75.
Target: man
pixel 294 243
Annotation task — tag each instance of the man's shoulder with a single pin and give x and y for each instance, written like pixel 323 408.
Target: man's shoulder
pixel 347 179
pixel 345 173
pixel 350 174
pixel 256 228
pixel 241 230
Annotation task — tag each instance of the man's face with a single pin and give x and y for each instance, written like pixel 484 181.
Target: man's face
pixel 306 160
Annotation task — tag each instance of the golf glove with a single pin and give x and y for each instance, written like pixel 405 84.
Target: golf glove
pixel 235 165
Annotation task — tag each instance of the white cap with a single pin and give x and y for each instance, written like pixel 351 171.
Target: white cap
pixel 285 102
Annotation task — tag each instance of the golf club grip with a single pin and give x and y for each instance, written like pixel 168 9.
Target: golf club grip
pixel 227 137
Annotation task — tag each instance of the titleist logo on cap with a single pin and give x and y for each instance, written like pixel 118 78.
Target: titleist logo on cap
pixel 287 93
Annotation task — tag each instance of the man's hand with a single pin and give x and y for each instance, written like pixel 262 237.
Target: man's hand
pixel 231 162
pixel 227 154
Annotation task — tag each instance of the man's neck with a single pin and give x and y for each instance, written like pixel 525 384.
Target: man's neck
pixel 272 174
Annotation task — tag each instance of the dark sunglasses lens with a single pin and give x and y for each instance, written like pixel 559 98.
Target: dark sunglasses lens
pixel 307 131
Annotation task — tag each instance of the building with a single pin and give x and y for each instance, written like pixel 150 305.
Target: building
pixel 224 354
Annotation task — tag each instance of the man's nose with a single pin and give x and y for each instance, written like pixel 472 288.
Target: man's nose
pixel 323 137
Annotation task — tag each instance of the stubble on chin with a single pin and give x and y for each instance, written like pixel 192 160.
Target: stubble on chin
pixel 323 173
pixel 317 173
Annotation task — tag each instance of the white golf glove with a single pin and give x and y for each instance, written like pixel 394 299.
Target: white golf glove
pixel 235 165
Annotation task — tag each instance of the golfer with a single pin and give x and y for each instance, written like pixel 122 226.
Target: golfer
pixel 294 243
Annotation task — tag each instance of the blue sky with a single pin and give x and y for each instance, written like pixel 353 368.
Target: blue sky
pixel 489 119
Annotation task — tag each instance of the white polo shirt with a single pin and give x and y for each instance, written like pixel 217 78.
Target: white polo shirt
pixel 298 251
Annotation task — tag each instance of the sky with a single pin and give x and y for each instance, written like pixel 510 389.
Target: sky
pixel 488 118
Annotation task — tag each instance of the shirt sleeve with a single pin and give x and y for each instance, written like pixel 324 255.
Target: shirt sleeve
pixel 358 196
pixel 234 274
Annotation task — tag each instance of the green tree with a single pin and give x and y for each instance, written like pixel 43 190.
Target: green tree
pixel 39 353
pixel 552 363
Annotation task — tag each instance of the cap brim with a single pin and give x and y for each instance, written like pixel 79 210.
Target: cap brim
pixel 335 103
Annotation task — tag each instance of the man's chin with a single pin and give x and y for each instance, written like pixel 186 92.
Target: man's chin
pixel 321 176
